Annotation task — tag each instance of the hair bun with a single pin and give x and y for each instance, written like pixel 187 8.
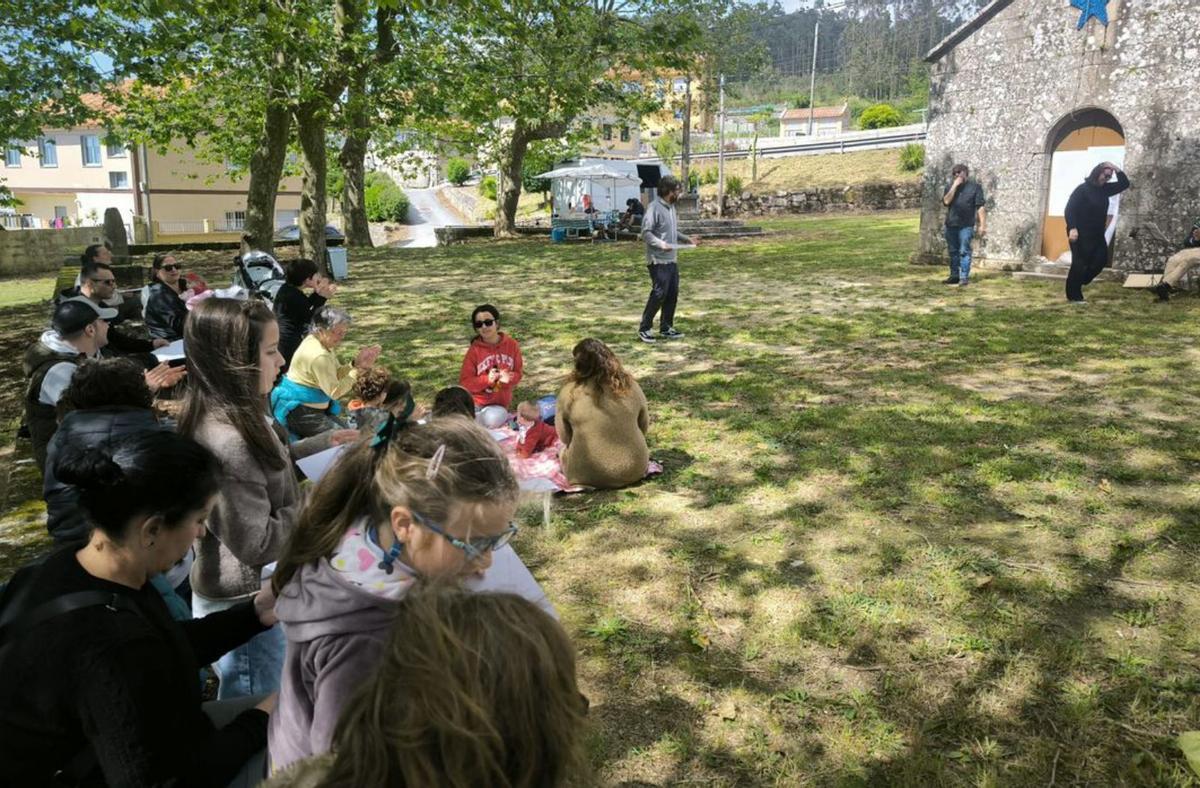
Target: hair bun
pixel 89 468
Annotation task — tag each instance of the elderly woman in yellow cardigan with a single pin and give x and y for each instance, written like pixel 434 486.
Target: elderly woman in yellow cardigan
pixel 306 400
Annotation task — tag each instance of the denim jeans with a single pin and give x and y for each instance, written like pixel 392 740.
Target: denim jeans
pixel 664 293
pixel 253 668
pixel 958 241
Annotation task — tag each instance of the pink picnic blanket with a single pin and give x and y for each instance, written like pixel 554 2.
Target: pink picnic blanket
pixel 547 465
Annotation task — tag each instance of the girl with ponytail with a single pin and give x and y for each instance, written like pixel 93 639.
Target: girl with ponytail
pixel 424 501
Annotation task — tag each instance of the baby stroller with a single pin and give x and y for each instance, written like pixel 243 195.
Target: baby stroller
pixel 260 274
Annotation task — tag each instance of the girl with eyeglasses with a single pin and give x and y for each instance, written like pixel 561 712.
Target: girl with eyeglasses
pixel 165 309
pixel 493 364
pixel 423 501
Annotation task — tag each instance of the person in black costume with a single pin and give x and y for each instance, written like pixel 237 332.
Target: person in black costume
pixel 107 692
pixel 1087 219
pixel 294 310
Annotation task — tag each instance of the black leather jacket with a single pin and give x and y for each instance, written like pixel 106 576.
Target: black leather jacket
pixel 84 429
pixel 164 313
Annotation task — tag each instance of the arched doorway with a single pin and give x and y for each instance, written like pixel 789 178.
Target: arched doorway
pixel 1076 144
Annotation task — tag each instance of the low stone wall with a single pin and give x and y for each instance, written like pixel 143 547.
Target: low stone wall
pixel 24 252
pixel 866 197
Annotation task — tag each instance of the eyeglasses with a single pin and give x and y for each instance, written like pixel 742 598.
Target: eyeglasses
pixel 169 268
pixel 475 548
pixel 482 323
pixel 105 281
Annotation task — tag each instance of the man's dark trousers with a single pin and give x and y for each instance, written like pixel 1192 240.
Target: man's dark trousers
pixel 664 292
pixel 1088 258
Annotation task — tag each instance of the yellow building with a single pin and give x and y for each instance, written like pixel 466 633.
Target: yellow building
pixel 672 89
pixel 73 175
pixel 616 138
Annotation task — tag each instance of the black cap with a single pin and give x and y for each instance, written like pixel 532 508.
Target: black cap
pixel 75 314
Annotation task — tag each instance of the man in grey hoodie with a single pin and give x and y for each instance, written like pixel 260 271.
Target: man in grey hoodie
pixel 660 231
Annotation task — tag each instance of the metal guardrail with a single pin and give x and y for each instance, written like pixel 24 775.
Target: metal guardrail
pixel 838 145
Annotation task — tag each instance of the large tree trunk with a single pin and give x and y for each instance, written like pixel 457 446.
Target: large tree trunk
pixel 310 129
pixel 266 170
pixel 510 166
pixel 351 157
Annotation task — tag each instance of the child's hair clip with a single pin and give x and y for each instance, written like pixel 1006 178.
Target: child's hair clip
pixel 435 462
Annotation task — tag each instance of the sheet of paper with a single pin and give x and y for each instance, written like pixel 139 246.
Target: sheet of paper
pixel 508 574
pixel 317 465
pixel 538 485
pixel 170 352
pixel 677 247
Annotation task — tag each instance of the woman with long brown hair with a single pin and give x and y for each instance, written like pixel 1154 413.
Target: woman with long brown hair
pixel 470 690
pixel 602 420
pixel 233 359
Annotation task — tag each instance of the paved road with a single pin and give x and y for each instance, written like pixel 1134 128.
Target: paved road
pixel 425 213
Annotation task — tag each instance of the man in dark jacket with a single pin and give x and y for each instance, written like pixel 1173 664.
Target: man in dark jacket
pixel 98 283
pixel 965 201
pixel 79 331
pixel 1087 221
pixel 106 399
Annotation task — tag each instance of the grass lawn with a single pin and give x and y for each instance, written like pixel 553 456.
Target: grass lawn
pixel 906 535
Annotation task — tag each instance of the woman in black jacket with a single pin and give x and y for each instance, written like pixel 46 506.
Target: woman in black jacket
pixel 1087 221
pixel 293 309
pixel 165 310
pixel 106 692
pixel 105 400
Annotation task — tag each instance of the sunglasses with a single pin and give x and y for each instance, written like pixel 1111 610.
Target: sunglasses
pixel 482 323
pixel 169 268
pixel 105 281
pixel 475 548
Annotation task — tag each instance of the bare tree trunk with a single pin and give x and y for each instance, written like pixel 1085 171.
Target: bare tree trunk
pixel 310 129
pixel 266 170
pixel 511 166
pixel 352 157
pixel 510 196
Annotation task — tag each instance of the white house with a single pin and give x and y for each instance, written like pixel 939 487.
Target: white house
pixel 827 121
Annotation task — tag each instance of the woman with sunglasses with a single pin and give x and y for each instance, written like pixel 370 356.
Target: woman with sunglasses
pixel 424 501
pixel 493 364
pixel 165 309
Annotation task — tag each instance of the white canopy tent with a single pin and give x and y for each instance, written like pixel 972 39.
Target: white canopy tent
pixel 606 184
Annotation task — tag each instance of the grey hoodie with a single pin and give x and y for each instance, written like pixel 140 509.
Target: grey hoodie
pixel 336 632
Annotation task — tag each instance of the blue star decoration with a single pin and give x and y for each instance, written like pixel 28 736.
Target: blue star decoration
pixel 1091 8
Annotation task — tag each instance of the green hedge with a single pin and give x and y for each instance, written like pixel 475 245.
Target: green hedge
pixel 385 201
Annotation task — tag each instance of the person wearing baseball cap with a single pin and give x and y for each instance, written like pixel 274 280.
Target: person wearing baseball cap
pixel 79 330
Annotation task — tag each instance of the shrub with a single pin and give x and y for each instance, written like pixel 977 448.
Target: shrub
pixel 385 201
pixel 693 180
pixel 710 176
pixel 912 157
pixel 457 171
pixel 487 187
pixel 880 116
pixel 733 185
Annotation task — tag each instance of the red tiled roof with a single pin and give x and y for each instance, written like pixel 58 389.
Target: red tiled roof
pixel 818 113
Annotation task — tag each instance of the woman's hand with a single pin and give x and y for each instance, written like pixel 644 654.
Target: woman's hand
pixel 367 356
pixel 505 376
pixel 324 287
pixel 344 436
pixel 1073 235
pixel 264 604
pixel 164 376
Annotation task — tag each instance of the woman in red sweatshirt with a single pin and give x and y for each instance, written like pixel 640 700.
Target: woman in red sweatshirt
pixel 492 366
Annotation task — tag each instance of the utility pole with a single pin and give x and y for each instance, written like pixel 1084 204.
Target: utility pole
pixel 721 153
pixel 812 81
pixel 686 158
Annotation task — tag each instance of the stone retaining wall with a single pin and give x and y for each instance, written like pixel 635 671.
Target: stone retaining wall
pixel 866 197
pixel 24 252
